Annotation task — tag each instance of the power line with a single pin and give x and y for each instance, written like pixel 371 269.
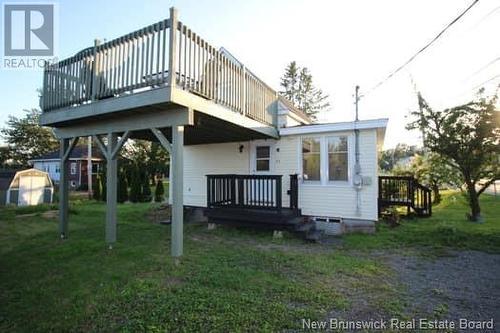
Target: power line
pixel 487 81
pixel 422 49
pixel 483 68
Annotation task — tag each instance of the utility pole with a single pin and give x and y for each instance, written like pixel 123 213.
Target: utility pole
pixel 356 101
pixel 358 179
pixel 89 165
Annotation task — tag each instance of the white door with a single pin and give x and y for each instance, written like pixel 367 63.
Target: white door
pixel 31 190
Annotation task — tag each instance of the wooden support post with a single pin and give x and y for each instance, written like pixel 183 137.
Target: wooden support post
pixel 111 188
pixel 177 189
pixel 63 191
pixel 65 151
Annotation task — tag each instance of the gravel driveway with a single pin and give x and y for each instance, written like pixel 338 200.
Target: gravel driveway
pixel 463 284
pixel 451 286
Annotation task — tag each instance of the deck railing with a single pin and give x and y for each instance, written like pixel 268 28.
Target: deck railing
pixel 404 191
pixel 142 59
pixel 244 191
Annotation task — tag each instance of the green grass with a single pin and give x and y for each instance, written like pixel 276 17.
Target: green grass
pixel 229 279
pixel 447 228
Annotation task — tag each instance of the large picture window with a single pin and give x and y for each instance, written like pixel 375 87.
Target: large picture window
pixel 337 158
pixel 311 158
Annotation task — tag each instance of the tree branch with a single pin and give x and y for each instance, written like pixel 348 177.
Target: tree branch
pixel 486 185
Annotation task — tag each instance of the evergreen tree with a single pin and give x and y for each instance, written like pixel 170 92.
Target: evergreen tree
pixel 135 186
pixel 103 186
pixel 298 88
pixel 122 187
pixel 146 189
pixel 159 191
pixel 97 189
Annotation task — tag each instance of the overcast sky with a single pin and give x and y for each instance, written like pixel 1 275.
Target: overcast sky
pixel 343 43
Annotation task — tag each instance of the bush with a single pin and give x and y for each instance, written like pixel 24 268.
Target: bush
pixel 103 186
pixel 122 188
pixel 159 191
pixel 97 190
pixel 135 186
pixel 146 191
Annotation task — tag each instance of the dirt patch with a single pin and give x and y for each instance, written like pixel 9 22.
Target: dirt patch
pixel 161 214
pixel 51 214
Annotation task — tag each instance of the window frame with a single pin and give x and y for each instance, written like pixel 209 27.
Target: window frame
pixel 339 182
pixel 72 169
pixel 301 157
pixel 324 167
pixel 268 158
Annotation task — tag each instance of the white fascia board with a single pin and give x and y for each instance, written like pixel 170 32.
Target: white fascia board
pixel 334 127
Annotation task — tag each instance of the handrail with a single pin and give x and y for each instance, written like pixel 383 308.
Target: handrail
pixel 211 73
pixel 404 191
pixel 142 59
pixel 244 191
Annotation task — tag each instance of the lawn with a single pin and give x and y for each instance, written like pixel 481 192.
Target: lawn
pixel 229 279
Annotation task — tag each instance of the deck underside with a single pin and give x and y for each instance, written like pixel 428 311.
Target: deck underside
pixel 204 120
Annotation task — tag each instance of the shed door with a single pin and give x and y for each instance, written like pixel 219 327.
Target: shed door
pixel 31 190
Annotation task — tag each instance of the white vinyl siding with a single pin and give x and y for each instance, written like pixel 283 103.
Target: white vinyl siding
pixel 332 199
pixel 202 160
pixel 326 198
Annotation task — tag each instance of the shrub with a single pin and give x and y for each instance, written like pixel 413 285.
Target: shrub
pixel 122 188
pixel 97 189
pixel 159 191
pixel 135 186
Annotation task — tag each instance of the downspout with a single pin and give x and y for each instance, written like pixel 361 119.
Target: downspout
pixel 358 179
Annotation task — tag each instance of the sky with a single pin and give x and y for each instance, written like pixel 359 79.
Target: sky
pixel 343 43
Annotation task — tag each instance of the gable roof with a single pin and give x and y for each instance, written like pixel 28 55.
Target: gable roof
pixel 79 152
pixel 301 114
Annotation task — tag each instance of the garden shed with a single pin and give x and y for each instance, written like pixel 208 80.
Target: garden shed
pixel 25 187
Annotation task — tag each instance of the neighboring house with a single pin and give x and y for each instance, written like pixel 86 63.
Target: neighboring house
pixel 78 175
pixel 25 188
pixel 239 152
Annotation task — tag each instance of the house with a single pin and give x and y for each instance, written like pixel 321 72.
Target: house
pixel 78 158
pixel 25 188
pixel 239 151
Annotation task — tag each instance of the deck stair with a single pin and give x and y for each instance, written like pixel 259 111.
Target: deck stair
pixel 286 220
pixel 404 191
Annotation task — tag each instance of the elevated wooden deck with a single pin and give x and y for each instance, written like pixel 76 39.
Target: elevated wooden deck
pixel 160 76
pixel 163 83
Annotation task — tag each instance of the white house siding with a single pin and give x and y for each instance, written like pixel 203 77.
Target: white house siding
pixel 314 200
pixel 202 160
pixel 51 167
pixel 332 200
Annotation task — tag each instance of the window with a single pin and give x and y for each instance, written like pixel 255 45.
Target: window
pixel 311 158
pixel 337 158
pixel 73 168
pixel 58 169
pixel 263 158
